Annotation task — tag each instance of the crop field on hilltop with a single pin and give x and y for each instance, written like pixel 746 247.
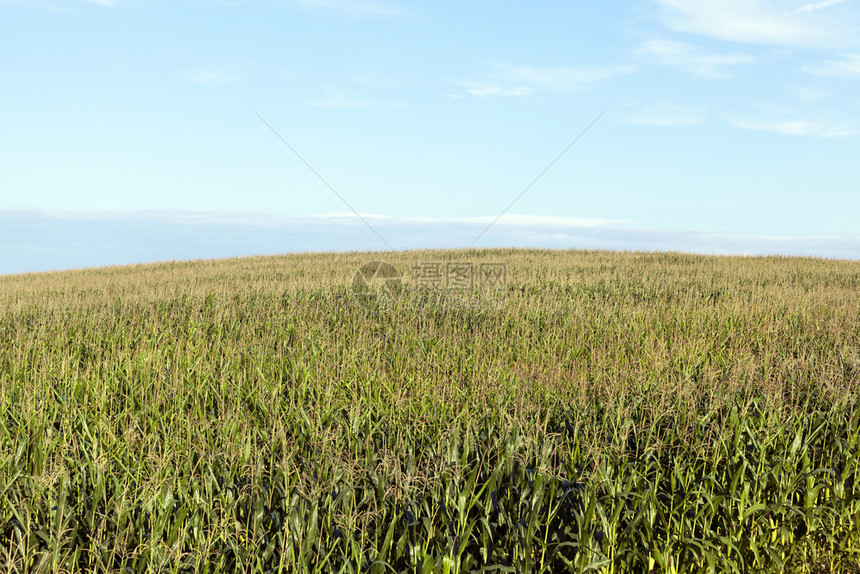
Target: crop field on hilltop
pixel 591 411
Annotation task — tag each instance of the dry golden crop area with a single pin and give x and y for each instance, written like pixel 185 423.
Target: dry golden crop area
pixel 597 411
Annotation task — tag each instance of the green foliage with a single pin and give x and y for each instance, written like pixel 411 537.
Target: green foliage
pixel 604 413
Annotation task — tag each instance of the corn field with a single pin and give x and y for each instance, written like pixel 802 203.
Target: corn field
pixel 608 412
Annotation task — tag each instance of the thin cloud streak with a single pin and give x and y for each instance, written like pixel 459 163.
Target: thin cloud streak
pixel 511 219
pixel 339 99
pixel 666 116
pixel 797 128
pixel 808 94
pixel 812 7
pixel 206 77
pixel 34 241
pixel 759 22
pixel 561 79
pixel 486 90
pixel 351 7
pixel 268 219
pixel 508 80
pixel 847 67
pixel 689 58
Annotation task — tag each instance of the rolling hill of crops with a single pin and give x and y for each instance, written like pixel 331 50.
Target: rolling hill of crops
pixel 591 411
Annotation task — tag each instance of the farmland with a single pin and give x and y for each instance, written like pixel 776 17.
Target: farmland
pixel 607 412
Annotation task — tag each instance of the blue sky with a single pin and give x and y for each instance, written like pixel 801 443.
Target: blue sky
pixel 130 134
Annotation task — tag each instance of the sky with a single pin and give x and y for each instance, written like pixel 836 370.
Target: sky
pixel 147 130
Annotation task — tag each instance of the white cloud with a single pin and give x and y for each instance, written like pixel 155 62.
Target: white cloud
pixel 484 90
pixel 351 7
pixel 61 6
pixel 798 127
pixel 761 21
pixel 812 7
pixel 689 58
pixel 340 104
pixel 562 79
pixel 801 99
pixel 38 241
pixel 808 94
pixel 507 219
pixel 338 98
pixel 510 80
pixel 206 77
pixel 846 67
pixel 542 220
pixel 664 115
pixel 773 108
pixel 467 225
